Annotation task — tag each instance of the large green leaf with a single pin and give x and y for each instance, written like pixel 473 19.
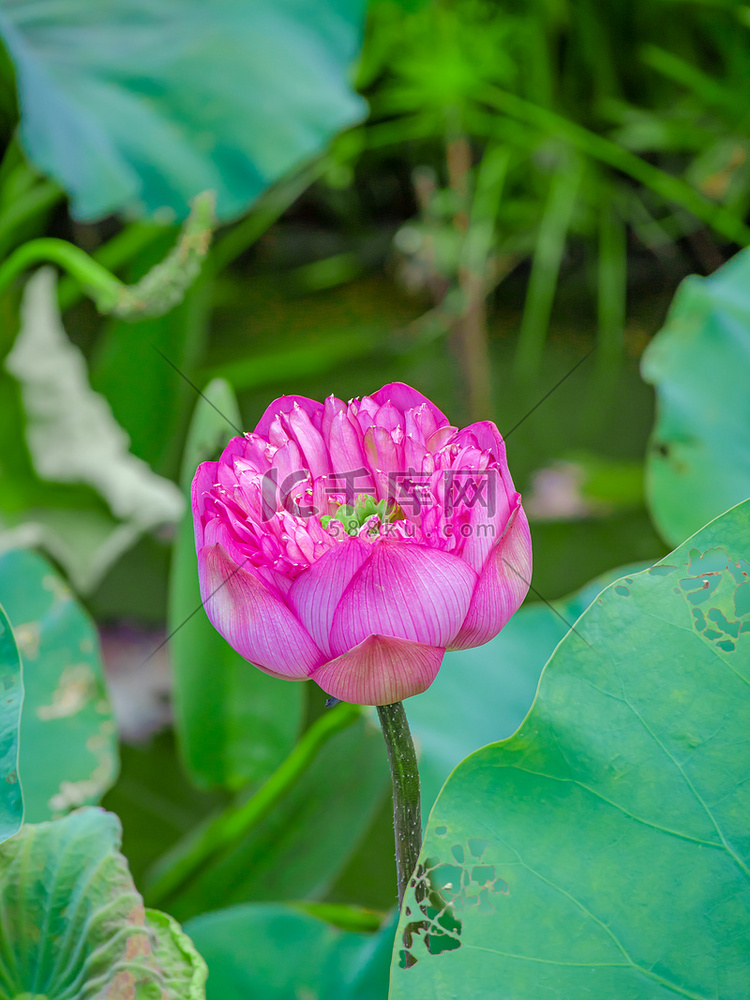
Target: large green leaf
pixel 603 850
pixel 68 752
pixel 482 694
pixel 11 697
pixel 235 723
pixel 301 846
pixel 74 926
pixel 277 953
pixel 141 105
pixel 699 459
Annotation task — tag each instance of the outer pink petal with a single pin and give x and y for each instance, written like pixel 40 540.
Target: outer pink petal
pixel 220 532
pixel 315 594
pixel 405 398
pixel 380 671
pixel 255 622
pixel 407 591
pixel 503 584
pixel 285 404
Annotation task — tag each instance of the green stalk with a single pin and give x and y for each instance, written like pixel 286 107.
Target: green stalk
pixel 407 812
pixel 189 855
pixel 103 287
pixel 155 294
pixel 119 250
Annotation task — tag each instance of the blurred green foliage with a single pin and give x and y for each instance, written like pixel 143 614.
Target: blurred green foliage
pixel 290 948
pixel 504 231
pixel 618 125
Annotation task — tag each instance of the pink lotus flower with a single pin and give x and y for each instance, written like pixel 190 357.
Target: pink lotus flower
pixel 353 543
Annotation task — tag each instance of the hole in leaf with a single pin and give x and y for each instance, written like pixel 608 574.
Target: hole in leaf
pixel 661 570
pixel 731 628
pixel 477 847
pixel 439 892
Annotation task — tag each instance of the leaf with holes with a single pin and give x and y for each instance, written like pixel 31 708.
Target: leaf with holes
pixel 603 850
pixel 11 697
pixel 142 105
pixel 699 458
pixel 293 955
pixel 235 724
pixel 74 926
pixel 68 754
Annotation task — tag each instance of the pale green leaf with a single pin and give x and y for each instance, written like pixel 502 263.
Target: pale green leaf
pixel 74 926
pixel 481 695
pixel 68 755
pixel 699 458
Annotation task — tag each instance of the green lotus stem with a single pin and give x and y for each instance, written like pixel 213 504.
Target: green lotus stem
pixel 189 855
pixel 103 287
pixel 155 294
pixel 407 810
pixel 119 250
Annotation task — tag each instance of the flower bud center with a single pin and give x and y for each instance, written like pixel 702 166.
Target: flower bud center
pixel 366 511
